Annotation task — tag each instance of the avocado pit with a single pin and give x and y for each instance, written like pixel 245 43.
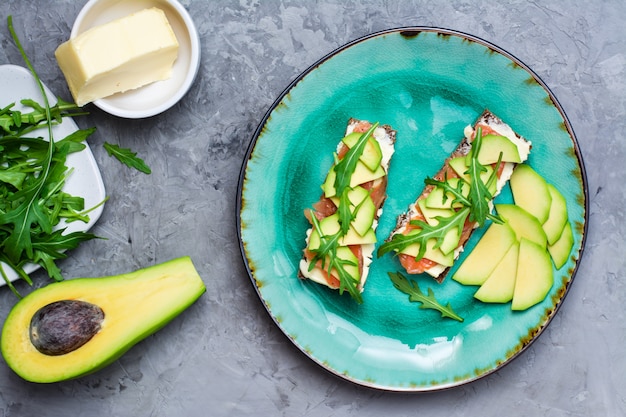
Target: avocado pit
pixel 63 326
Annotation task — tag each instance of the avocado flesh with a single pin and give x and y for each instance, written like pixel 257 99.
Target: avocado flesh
pixel 431 253
pixel 372 154
pixel 560 250
pixel 363 208
pixel 461 168
pixel 494 147
pixel 534 277
pixel 557 216
pixel 488 252
pixel 361 175
pixel 452 237
pixel 523 223
pixel 330 225
pixel 530 192
pixel 436 199
pixel 135 305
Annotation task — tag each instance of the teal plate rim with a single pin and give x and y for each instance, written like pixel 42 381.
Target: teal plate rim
pixel 409 32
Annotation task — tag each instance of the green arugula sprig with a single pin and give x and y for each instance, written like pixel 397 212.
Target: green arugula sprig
pixel 474 206
pixel 16 123
pixel 346 215
pixel 479 195
pixel 32 175
pixel 346 166
pixel 429 301
pixel 427 232
pixel 326 253
pixel 456 191
pixel 127 157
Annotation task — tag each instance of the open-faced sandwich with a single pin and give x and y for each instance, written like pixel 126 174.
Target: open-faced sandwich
pixel 430 236
pixel 341 240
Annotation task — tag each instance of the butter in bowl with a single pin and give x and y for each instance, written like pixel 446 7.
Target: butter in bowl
pixel 131 59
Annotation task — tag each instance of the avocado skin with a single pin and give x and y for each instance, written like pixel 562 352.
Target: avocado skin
pixel 135 304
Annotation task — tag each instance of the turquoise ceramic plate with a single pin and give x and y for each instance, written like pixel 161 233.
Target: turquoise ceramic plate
pixel 428 84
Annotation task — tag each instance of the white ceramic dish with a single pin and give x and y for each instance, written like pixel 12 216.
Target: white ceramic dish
pixel 157 97
pixel 17 83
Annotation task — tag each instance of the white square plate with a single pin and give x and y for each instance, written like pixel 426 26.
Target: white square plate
pixel 17 83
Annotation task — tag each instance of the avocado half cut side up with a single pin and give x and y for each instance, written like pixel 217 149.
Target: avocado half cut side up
pixel 109 315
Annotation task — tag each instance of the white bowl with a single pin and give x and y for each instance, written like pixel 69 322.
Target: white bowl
pixel 159 96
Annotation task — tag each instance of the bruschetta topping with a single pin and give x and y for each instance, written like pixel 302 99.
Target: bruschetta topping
pixel 340 242
pixel 458 199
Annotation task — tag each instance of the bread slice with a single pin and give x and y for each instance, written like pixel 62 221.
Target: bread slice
pixel 438 266
pixel 366 194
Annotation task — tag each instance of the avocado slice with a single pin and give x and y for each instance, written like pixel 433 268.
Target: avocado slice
pixel 493 145
pixel 372 154
pixel 460 167
pixel 364 215
pixel 134 306
pixel 345 253
pixel 500 284
pixel 435 198
pixel 329 183
pixel 452 237
pixel 432 253
pixel 523 223
pixel 330 226
pixel 361 175
pixel 534 277
pixel 530 191
pixel 557 216
pixel 486 255
pixel 560 250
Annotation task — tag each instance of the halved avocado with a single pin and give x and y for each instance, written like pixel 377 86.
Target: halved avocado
pixel 111 315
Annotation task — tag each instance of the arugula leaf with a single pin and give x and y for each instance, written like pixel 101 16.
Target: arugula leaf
pixel 345 213
pixel 49 247
pixel 15 178
pixel 76 140
pixel 346 166
pixel 399 241
pixel 411 288
pixel 127 157
pixel 457 191
pixel 17 122
pixel 327 251
pixel 479 194
pixel 22 219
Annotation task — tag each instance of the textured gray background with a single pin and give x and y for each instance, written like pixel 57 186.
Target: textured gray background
pixel 224 356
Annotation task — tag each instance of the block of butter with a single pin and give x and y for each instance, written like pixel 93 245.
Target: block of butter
pixel 121 55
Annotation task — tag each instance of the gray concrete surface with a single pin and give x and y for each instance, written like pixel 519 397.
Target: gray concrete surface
pixel 224 356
